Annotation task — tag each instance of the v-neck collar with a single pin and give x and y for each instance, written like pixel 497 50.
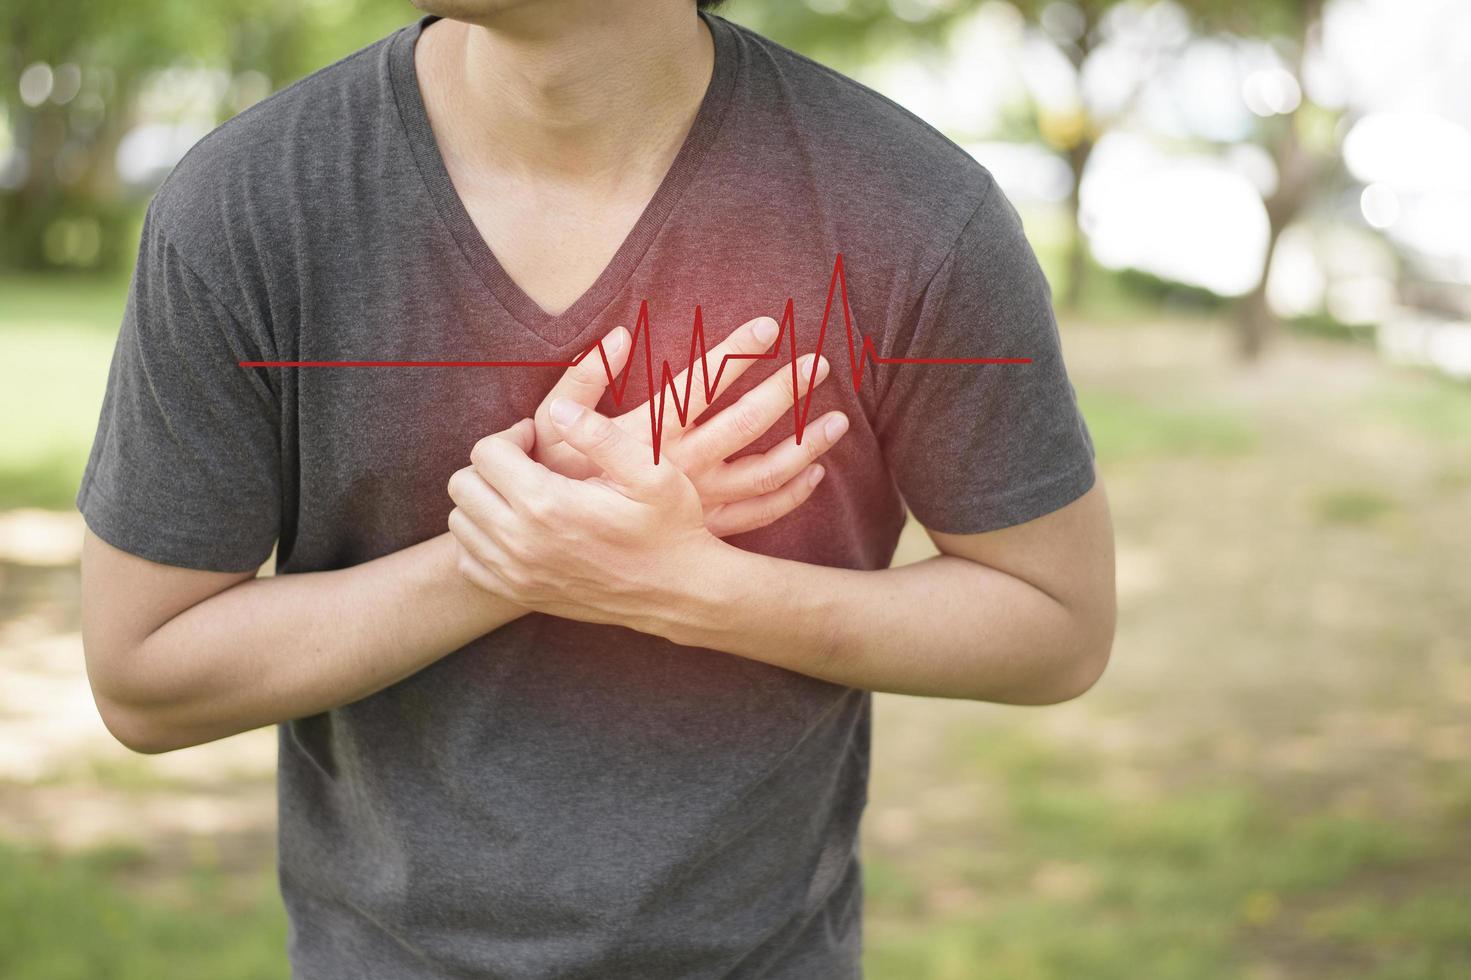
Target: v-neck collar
pixel 566 326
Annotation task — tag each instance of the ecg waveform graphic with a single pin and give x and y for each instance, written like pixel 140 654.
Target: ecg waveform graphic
pixel 859 353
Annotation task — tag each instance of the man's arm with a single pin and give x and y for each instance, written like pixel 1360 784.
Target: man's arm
pixel 177 656
pixel 1022 615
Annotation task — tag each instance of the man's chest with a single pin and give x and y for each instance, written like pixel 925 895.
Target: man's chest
pixel 374 446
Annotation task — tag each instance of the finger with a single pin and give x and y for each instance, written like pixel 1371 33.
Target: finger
pixel 762 473
pixel 585 381
pixel 730 359
pixel 754 512
pixel 627 462
pixel 562 458
pixel 475 499
pixel 503 461
pixel 480 574
pixel 757 410
pixel 473 538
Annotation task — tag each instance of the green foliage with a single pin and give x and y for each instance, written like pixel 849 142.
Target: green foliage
pixel 1256 18
pixel 70 209
pixel 856 33
pixel 1326 326
pixel 1166 293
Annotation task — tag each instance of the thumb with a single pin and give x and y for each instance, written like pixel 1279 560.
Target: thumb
pixel 623 458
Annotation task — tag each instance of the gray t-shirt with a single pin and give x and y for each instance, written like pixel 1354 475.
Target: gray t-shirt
pixel 560 799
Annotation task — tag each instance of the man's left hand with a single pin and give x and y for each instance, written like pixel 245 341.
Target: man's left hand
pixel 609 549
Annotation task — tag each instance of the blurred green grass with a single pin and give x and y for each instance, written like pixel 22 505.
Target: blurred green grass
pixel 1352 505
pixel 1127 425
pixel 1110 884
pixel 1438 407
pixel 56 340
pixel 1092 881
pixel 81 918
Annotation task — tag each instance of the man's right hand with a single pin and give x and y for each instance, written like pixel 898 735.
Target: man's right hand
pixel 739 495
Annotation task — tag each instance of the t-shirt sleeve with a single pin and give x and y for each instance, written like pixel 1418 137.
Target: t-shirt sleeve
pixel 980 447
pixel 185 466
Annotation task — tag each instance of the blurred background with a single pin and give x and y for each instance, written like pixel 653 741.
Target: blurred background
pixel 1256 219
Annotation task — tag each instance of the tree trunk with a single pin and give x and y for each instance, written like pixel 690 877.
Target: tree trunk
pixel 1077 160
pixel 1077 262
pixel 1297 171
pixel 1255 321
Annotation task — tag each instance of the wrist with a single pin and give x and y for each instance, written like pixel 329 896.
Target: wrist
pixel 701 595
pixel 446 583
pixel 784 613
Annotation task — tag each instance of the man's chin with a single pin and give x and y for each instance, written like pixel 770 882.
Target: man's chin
pixel 472 11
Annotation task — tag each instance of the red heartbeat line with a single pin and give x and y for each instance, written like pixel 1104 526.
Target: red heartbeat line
pixel 801 404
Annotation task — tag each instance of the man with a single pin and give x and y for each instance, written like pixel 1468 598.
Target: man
pixel 549 708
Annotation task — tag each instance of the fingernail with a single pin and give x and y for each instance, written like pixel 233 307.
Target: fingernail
pixel 804 364
pixel 565 411
pixel 765 329
pixel 835 427
pixel 815 476
pixel 614 342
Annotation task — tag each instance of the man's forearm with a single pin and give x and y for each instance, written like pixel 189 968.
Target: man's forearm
pixel 945 627
pixel 1023 614
pixel 272 649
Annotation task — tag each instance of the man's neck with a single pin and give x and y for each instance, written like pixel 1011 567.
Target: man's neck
pixel 576 91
